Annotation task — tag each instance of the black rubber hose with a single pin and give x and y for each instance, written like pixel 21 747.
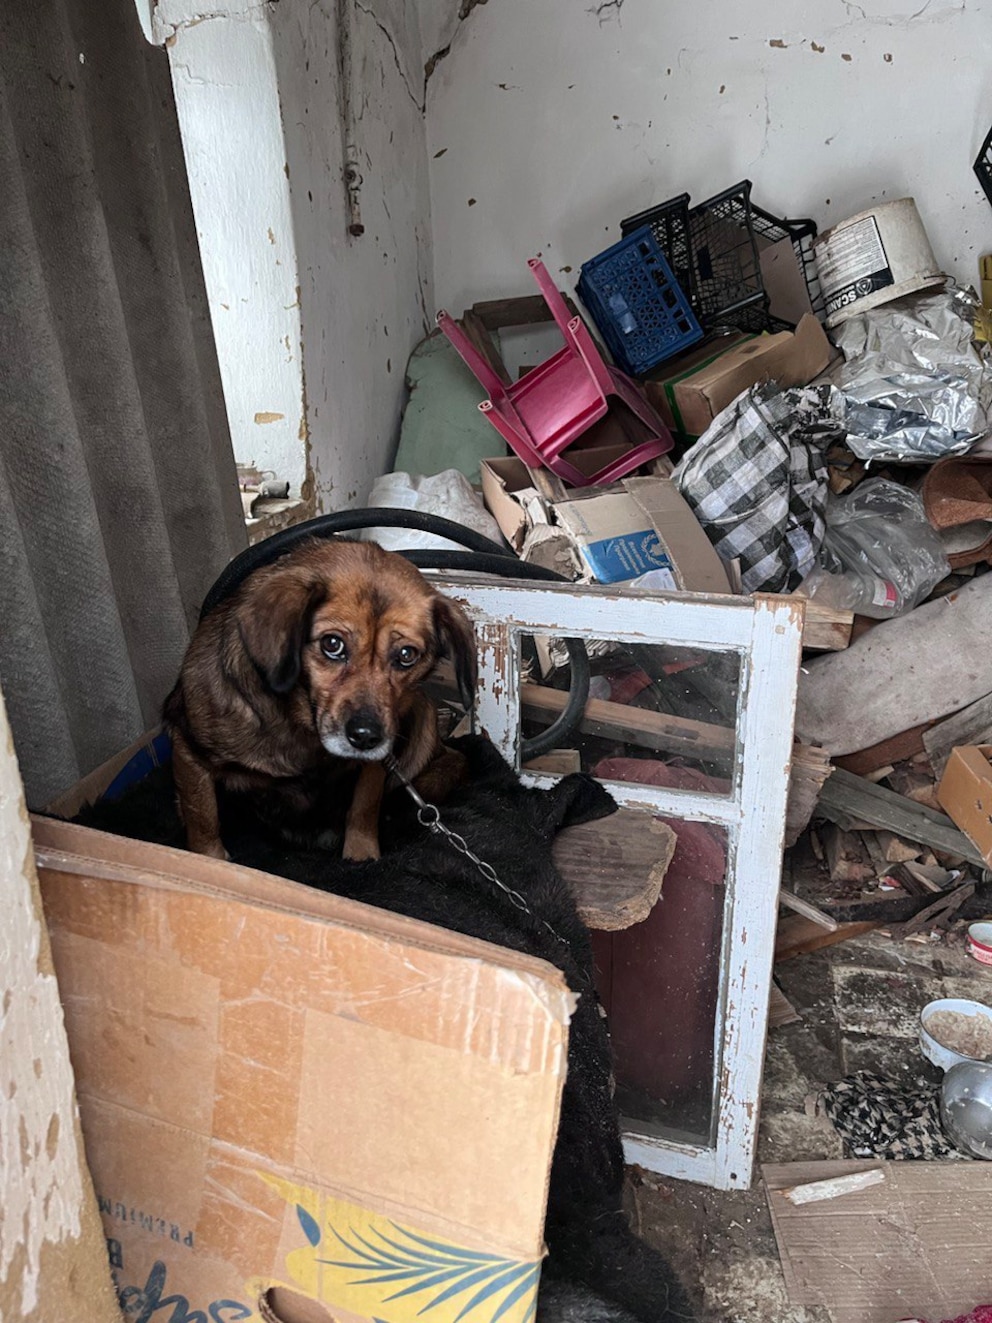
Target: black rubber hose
pixel 484 556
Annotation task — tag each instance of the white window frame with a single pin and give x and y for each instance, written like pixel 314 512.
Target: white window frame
pixel 766 632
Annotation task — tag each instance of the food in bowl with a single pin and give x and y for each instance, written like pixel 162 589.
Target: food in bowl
pixel 968 1035
pixel 964 1027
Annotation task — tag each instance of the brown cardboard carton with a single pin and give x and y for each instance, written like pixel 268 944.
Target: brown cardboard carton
pixel 965 792
pixel 283 1089
pixel 662 385
pixel 788 358
pixel 646 524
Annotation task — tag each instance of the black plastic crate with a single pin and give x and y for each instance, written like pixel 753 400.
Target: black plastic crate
pixel 983 167
pixel 715 251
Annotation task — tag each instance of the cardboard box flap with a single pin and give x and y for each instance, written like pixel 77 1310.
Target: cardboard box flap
pixel 788 358
pixel 265 1070
pixel 700 567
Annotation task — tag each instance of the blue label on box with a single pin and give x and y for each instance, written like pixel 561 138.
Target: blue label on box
pixel 625 557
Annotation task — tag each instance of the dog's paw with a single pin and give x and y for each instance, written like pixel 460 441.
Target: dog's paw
pixel 360 852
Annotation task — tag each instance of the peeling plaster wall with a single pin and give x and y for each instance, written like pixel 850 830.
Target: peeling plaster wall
pixel 363 298
pixel 53 1259
pixel 548 123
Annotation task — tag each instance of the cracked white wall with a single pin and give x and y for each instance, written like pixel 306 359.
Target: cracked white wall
pixel 548 123
pixel 313 326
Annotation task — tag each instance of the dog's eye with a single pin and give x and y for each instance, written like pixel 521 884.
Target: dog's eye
pixel 407 656
pixel 333 647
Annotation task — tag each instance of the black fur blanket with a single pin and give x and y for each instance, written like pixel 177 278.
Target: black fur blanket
pixel 597 1270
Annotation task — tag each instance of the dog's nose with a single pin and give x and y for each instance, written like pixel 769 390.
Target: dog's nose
pixel 364 731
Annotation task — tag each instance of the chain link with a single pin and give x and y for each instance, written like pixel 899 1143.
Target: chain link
pixel 429 816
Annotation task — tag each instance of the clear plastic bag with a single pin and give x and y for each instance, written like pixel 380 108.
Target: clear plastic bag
pixel 880 557
pixel 448 494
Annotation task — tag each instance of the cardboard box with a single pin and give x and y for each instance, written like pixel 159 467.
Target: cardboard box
pixel 285 1091
pixel 662 384
pixel 695 397
pixel 647 526
pixel 965 792
pixel 508 487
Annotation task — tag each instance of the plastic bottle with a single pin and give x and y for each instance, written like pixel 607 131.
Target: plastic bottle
pixel 860 591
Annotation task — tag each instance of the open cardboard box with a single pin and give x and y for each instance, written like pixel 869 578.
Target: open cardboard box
pixel 618 532
pixel 965 792
pixel 298 1107
pixel 690 394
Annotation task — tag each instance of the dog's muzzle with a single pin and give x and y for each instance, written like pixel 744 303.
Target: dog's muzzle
pixel 362 737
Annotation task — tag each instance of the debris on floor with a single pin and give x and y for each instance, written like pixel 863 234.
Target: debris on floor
pixel 738 405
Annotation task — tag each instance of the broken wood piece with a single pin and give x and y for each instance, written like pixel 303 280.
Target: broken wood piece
pixel 797 935
pixel 907 779
pixel 809 768
pixel 557 762
pixel 911 884
pixel 875 852
pixel 780 1010
pixel 524 310
pixel 834 1187
pixel 940 912
pixel 478 334
pixel 971 725
pixel 931 876
pixel 615 866
pixel 894 849
pixel 653 730
pixel 793 902
pixel 846 798
pixel 847 857
pixel 826 629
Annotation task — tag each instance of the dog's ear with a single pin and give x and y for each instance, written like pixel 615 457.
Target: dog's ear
pixel 457 636
pixel 274 622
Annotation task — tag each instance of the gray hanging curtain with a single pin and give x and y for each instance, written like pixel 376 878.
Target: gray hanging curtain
pixel 118 489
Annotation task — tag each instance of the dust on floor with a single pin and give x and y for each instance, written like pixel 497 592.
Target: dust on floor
pixel 859 1003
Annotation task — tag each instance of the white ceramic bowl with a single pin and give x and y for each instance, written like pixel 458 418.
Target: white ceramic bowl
pixel 942 1056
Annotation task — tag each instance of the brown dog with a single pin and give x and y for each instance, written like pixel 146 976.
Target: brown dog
pixel 308 673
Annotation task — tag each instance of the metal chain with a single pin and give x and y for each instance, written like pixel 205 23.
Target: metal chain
pixel 429 816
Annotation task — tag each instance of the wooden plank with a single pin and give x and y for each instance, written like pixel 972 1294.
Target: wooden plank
pixel 939 912
pixel 970 725
pixel 793 902
pixel 798 935
pixel 486 345
pixel 895 749
pixel 525 310
pixel 847 799
pixel 652 730
pixel 615 866
pixel 847 858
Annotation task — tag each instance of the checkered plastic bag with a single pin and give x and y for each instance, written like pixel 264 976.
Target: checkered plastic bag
pixel 757 482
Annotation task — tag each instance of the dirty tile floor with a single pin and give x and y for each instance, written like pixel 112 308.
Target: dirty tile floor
pixel 858 1001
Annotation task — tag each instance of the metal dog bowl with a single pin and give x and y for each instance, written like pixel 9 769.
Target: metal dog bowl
pixel 966 1107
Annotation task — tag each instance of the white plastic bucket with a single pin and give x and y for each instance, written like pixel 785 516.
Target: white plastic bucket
pixel 874 257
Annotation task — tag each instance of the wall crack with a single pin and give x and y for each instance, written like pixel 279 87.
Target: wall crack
pixel 365 9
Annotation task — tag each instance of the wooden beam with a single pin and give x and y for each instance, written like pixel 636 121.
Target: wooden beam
pixel 826 629
pixel 970 725
pixel 893 750
pixel 652 730
pixel 851 800
pixel 797 935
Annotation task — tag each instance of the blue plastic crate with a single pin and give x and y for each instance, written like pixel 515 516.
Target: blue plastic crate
pixel 639 307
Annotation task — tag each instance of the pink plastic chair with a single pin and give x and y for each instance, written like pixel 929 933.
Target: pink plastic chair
pixel 547 410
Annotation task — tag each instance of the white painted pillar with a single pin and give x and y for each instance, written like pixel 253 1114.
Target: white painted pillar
pixel 227 99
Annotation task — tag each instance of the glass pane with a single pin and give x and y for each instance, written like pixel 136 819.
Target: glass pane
pixel 659 981
pixel 649 704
